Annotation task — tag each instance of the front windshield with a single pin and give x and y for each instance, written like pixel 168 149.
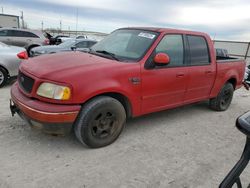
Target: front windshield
pixel 67 43
pixel 127 44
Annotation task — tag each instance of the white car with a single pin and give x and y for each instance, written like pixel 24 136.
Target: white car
pixel 10 59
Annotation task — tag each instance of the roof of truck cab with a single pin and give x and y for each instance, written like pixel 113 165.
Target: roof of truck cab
pixel 162 30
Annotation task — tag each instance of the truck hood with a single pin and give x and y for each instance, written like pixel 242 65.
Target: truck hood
pixel 63 66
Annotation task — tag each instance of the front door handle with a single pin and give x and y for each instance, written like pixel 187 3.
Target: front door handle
pixel 208 72
pixel 135 80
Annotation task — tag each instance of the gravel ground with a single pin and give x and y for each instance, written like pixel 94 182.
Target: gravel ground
pixel 187 147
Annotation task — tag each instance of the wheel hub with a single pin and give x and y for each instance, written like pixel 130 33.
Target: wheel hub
pixel 1 77
pixel 103 125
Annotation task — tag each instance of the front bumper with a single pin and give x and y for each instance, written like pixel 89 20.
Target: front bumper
pixel 51 118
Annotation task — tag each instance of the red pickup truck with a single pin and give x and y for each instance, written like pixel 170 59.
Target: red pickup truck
pixel 133 71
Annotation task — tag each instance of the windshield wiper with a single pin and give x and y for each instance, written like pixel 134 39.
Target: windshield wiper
pixel 113 56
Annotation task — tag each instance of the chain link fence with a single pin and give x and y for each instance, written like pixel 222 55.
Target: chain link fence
pixel 235 49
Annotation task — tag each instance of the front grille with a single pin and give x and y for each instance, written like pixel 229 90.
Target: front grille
pixel 25 82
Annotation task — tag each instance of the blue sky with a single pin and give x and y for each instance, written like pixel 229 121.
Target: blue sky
pixel 222 19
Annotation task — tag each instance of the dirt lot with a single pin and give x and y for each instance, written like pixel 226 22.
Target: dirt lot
pixel 187 147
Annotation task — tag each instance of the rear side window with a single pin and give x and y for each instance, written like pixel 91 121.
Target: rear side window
pixel 3 33
pixel 173 46
pixel 199 53
pixel 16 33
pixel 29 35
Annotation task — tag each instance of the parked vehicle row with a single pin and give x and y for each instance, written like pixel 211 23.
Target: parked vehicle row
pixel 10 59
pixel 72 44
pixel 27 39
pixel 58 39
pixel 15 42
pixel 132 72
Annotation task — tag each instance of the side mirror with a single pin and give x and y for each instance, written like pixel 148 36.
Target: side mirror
pixel 161 59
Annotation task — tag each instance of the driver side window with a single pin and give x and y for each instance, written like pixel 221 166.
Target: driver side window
pixel 173 46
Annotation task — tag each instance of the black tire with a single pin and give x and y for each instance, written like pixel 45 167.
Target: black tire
pixel 3 77
pixel 100 122
pixel 224 98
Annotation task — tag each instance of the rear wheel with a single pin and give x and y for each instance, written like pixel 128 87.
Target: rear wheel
pixel 100 122
pixel 224 98
pixel 3 77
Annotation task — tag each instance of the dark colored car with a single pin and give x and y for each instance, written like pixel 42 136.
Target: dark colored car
pixel 247 76
pixel 56 39
pixel 72 44
pixel 221 53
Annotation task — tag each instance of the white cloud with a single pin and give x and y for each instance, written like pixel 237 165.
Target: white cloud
pixel 229 18
pixel 213 16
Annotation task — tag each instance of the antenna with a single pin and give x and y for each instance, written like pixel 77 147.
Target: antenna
pixel 214 37
pixel 22 19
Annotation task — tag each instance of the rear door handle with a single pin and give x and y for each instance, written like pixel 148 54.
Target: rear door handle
pixel 208 72
pixel 179 75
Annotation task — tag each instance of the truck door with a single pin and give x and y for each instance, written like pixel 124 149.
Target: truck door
pixel 164 86
pixel 201 72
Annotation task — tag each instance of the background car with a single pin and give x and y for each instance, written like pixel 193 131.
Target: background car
pixel 81 37
pixel 72 44
pixel 10 59
pixel 23 38
pixel 55 40
pixel 221 53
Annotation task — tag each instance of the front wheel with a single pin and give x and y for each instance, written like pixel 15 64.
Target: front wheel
pixel 100 122
pixel 3 77
pixel 224 98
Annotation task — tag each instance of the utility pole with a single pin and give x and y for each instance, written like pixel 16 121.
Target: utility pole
pixel 2 10
pixel 42 25
pixel 22 19
pixel 76 20
pixel 61 25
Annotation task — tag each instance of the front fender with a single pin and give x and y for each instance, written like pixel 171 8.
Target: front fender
pixel 124 88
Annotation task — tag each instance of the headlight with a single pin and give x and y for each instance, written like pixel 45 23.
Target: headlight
pixel 54 91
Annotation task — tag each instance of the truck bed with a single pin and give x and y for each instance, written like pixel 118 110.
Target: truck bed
pixel 232 66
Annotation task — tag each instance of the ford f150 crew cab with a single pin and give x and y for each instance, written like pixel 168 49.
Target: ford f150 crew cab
pixel 133 71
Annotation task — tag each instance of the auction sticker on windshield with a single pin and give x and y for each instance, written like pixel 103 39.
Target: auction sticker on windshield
pixel 146 35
